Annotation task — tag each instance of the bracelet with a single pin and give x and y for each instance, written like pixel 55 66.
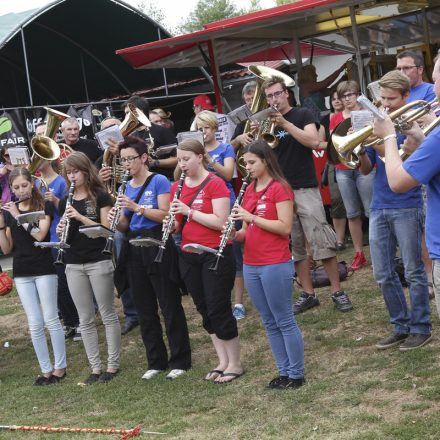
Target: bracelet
pixel 389 137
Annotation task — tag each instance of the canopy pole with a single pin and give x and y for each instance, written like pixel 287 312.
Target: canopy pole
pixel 165 82
pixel 216 78
pixel 26 67
pixel 298 64
pixel 358 50
pixel 83 70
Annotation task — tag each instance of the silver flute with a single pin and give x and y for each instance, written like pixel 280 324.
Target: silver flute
pixel 168 226
pixel 65 233
pixel 108 249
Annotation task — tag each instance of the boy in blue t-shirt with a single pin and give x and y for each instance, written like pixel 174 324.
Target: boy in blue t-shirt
pixel 397 220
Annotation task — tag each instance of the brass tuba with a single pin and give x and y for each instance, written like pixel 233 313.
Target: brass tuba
pixel 345 149
pixel 260 103
pixel 44 147
pixel 134 120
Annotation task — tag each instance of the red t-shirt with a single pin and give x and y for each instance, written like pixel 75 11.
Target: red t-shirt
pixel 262 247
pixel 335 120
pixel 194 232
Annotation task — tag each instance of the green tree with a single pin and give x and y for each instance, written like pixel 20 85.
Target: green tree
pixel 284 2
pixel 207 11
pixel 154 12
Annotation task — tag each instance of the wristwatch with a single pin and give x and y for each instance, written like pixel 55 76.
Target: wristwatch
pixel 140 210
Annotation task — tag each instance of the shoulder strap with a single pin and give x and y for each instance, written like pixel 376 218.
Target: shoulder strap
pixel 139 194
pixel 203 184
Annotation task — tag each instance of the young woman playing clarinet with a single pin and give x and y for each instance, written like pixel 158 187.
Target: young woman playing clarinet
pixel 145 204
pixel 204 204
pixel 89 272
pixel 266 212
pixel 34 274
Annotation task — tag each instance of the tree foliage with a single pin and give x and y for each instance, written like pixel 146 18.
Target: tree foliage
pixel 156 13
pixel 207 11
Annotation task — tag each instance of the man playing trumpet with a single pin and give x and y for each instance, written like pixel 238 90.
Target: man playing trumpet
pixel 397 220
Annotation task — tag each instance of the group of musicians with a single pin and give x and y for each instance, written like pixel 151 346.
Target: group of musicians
pixel 278 214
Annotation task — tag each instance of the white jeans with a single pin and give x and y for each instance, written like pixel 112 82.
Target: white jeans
pixel 38 294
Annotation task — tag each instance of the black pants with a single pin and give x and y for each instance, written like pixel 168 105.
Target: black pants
pixel 151 284
pixel 211 290
pixel 66 305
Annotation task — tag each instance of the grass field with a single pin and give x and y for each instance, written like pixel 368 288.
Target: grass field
pixel 353 391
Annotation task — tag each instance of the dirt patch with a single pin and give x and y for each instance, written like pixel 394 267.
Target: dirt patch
pixel 14 325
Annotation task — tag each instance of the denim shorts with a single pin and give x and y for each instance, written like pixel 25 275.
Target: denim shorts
pixel 356 191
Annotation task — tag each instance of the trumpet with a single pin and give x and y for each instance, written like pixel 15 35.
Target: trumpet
pixel 198 248
pixel 108 249
pixel 63 240
pixel 167 227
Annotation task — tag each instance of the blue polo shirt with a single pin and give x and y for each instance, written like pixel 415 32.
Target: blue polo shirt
pixel 424 166
pixel 158 185
pixel 422 91
pixel 219 155
pixel 383 197
pixel 59 187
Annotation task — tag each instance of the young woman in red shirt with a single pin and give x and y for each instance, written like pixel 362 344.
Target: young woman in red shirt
pixel 201 212
pixel 266 213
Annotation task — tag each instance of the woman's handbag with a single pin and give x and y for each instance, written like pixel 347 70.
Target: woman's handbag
pixel 320 278
pixel 6 284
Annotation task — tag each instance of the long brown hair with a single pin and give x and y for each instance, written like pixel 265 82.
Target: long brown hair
pixel 79 161
pixel 37 200
pixel 265 153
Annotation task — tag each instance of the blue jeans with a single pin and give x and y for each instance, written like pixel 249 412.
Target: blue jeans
pixel 270 289
pixel 38 295
pixel 403 227
pixel 356 191
pixel 130 314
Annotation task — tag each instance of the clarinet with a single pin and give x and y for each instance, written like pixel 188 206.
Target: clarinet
pixel 168 227
pixel 230 223
pixel 60 257
pixel 108 249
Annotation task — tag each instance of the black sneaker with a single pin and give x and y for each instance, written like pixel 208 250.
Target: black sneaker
pixel 278 383
pixel 107 376
pixel 391 341
pixel 415 340
pixel 305 302
pixel 93 378
pixel 69 332
pixel 42 381
pixel 342 301
pixel 294 383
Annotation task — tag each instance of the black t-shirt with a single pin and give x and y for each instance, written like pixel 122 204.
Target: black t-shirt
pixel 162 136
pixel 296 160
pixel 83 249
pixel 89 148
pixel 29 260
pixel 239 129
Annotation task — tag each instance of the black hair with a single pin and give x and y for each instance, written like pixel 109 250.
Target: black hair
pixel 139 102
pixel 136 143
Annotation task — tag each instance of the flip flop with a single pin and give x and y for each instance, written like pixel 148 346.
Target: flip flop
pixel 218 372
pixel 234 376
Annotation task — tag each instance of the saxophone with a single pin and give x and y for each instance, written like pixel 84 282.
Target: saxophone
pixel 108 249
pixel 65 233
pixel 168 226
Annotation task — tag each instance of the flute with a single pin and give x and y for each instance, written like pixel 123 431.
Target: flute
pixel 230 222
pixel 168 227
pixel 108 249
pixel 65 233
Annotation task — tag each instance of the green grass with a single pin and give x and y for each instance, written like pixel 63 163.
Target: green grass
pixel 353 391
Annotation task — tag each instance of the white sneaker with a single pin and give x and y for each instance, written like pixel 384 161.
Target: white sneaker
pixel 149 374
pixel 174 374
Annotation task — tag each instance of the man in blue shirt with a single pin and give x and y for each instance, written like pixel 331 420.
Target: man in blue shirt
pixel 411 64
pixel 423 166
pixel 397 220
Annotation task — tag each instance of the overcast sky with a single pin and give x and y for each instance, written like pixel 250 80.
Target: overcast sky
pixel 175 10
